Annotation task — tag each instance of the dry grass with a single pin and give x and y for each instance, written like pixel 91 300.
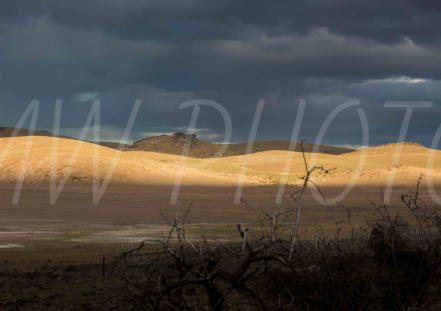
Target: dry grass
pixel 160 169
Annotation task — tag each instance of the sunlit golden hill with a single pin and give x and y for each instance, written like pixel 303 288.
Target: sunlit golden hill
pixel 75 160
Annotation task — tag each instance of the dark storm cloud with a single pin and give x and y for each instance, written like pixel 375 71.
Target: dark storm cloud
pixel 234 52
pixel 379 20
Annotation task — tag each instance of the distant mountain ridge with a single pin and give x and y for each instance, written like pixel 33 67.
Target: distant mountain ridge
pixel 6 131
pixel 174 144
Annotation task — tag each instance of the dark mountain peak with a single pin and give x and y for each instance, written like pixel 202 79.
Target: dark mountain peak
pixel 174 144
pixel 183 137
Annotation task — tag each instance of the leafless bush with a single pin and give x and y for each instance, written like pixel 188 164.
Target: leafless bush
pixel 395 267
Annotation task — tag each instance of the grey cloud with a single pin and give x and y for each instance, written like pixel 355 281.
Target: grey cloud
pixel 233 52
pixel 379 20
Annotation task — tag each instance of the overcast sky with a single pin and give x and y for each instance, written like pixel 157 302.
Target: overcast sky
pixel 232 52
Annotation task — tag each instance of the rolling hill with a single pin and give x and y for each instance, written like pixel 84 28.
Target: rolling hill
pixel 74 160
pixel 40 157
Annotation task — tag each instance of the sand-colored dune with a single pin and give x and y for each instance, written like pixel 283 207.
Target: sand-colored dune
pixel 75 160
pixel 371 166
pixel 39 157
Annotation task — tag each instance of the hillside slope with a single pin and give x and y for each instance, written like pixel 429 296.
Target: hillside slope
pixel 41 156
pixel 6 131
pixel 174 144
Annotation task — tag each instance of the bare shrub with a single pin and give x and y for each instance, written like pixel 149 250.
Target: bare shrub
pixel 394 267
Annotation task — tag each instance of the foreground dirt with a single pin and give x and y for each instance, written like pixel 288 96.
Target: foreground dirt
pixel 74 282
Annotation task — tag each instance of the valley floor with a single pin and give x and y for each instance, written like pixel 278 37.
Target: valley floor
pixel 128 213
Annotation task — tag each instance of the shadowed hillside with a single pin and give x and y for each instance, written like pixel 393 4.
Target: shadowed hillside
pixel 268 145
pixel 174 144
pixel 8 131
